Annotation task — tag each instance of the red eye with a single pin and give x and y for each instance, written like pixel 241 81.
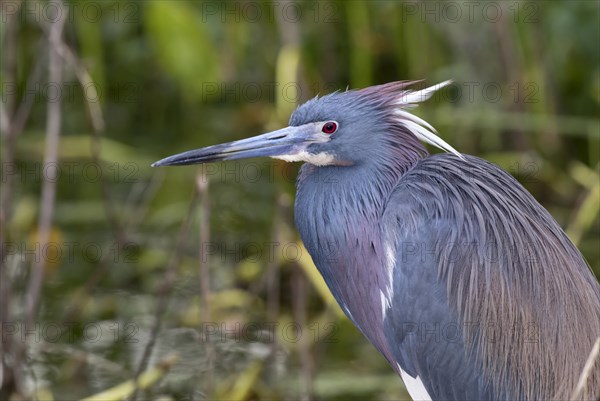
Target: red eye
pixel 329 127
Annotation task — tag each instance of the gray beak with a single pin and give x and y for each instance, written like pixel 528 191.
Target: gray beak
pixel 286 141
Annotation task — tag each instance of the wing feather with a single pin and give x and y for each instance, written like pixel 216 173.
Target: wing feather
pixel 514 285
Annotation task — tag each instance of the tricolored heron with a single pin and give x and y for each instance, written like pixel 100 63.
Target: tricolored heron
pixel 452 270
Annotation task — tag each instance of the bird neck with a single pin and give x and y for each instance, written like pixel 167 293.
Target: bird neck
pixel 351 195
pixel 338 213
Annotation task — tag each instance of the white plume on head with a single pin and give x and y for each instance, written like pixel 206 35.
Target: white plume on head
pixel 419 127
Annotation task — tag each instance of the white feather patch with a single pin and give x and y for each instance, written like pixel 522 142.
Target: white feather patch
pixel 414 386
pixel 390 256
pixel 318 159
pixel 419 127
pixel 348 312
pixel 415 97
pixel 385 303
pixel 387 293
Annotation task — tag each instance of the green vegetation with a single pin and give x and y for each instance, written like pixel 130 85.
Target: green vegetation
pixel 194 279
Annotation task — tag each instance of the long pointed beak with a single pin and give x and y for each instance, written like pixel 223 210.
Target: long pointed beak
pixel 283 142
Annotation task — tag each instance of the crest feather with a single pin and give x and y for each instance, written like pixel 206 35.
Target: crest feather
pixel 419 127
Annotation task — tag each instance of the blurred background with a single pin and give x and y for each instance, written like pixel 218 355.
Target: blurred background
pixel 193 279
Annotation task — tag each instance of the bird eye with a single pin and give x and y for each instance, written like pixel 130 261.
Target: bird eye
pixel 329 127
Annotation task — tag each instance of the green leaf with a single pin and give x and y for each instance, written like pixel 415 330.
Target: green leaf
pixel 182 45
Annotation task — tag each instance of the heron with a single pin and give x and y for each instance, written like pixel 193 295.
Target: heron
pixel 466 285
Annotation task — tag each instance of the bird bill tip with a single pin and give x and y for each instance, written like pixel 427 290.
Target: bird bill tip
pixel 167 161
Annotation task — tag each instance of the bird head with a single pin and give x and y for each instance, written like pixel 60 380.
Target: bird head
pixel 335 129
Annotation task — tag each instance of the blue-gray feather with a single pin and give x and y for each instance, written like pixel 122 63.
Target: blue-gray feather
pixel 516 285
pixel 493 260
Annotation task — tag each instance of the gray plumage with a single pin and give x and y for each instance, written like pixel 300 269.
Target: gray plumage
pixel 456 274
